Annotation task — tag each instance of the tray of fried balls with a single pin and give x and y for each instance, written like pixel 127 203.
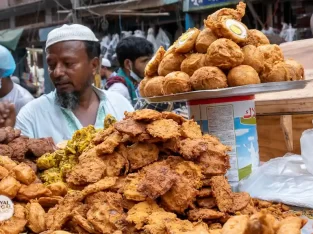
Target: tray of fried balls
pixel 225 54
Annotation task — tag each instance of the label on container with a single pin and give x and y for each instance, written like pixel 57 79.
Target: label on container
pixel 233 121
pixel 6 208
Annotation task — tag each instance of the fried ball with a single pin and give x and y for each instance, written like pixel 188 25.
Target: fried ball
pixel 186 42
pixel 208 78
pixel 205 38
pixel 225 54
pixel 154 87
pixel 242 75
pixel 170 63
pixel 297 67
pixel 153 64
pixel 272 54
pixel 253 57
pixel 176 82
pixel 256 38
pixel 170 50
pixel 193 62
pixel 142 86
pixel 280 72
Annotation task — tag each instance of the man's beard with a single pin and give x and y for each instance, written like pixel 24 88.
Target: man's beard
pixel 68 100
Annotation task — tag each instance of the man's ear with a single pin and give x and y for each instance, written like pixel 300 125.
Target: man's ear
pixel 95 65
pixel 127 64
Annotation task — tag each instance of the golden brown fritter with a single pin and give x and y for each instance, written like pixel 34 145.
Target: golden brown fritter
pixel 222 193
pixel 207 202
pixel 19 210
pixel 13 226
pixel 3 172
pixel 179 226
pixel 79 220
pixel 142 154
pixel 130 127
pixel 256 38
pixel 205 38
pixel 241 201
pixel 180 196
pixel 298 68
pixel 143 115
pixel 58 189
pixel 31 164
pixel 203 213
pixel 191 149
pixel 281 71
pixel 157 220
pixel 236 224
pixel 193 62
pixel 101 185
pixel 48 202
pixel 190 171
pixel 24 173
pixel 20 148
pixel 170 115
pixel 114 164
pixel 142 86
pixel 164 129
pixel 208 78
pixel 271 54
pixel 190 129
pixel 101 135
pixel 157 181
pixel 186 42
pixel 215 143
pixel 130 189
pixel 9 186
pixel 36 217
pixel 7 163
pixel 88 170
pixel 32 191
pixel 290 225
pixel 225 54
pixel 154 86
pixel 253 57
pixel 6 150
pixel 40 146
pixel 114 200
pixel 170 63
pixel 213 164
pixel 109 144
pixel 242 75
pixel 205 192
pixel 176 82
pixel 153 65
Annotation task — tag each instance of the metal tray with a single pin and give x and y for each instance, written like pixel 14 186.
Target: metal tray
pixel 231 92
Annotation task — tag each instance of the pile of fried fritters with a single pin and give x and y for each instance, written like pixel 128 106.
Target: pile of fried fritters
pixel 225 53
pixel 151 173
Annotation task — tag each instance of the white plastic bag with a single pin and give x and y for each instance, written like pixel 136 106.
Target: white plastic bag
pixel 151 38
pixel 162 39
pixel 283 179
pixel 306 142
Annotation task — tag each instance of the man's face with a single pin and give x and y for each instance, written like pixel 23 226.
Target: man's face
pixel 70 69
pixel 140 65
pixel 103 72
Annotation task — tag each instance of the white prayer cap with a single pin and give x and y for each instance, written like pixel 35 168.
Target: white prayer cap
pixel 106 63
pixel 73 32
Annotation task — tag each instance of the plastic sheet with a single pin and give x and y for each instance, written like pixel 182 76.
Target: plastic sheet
pixel 284 179
pixel 307 149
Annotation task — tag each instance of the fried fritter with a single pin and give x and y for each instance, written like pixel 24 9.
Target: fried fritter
pixel 154 87
pixel 205 192
pixel 6 150
pixel 191 149
pixel 271 54
pixel 114 164
pixel 215 145
pixel 164 128
pixel 88 170
pixel 208 202
pixel 241 200
pixel 36 217
pixel 142 86
pixel 109 144
pixel 143 115
pixel 213 163
pixel 102 135
pixel 140 212
pixel 101 185
pixel 170 115
pixel 242 75
pixel 114 200
pixel 298 68
pixel 190 171
pixel 180 196
pixel 186 42
pixel 262 223
pixel 130 127
pixel 157 181
pixel 176 82
pixel 205 38
pixel 208 78
pixel 153 65
pixel 142 154
pixel 225 54
pixel 32 191
pixel 190 129
pixel 281 71
pixel 236 224
pixel 130 190
pixel 253 57
pixel 84 223
pixel 179 226
pixel 170 63
pixel 157 220
pixel 13 226
pixel 40 146
pixel 20 148
pixel 7 163
pixel 290 225
pixel 3 172
pixel 31 164
pixel 222 193
pixel 9 186
pixel 24 173
pixel 203 213
pixel 193 62
pixel 256 38
pixel 48 202
pixel 58 189
pixel 19 211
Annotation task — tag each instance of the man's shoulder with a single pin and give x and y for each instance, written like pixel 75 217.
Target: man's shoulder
pixel 23 92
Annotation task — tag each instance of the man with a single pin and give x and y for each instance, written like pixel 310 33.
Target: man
pixel 133 54
pixel 9 91
pixel 72 58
